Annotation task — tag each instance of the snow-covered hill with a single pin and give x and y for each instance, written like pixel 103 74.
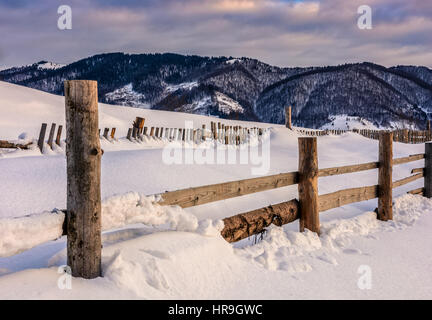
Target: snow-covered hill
pixel 158 260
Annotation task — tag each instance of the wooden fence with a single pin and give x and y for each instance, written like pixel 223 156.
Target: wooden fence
pixel 309 203
pixel 83 214
pixel 400 135
pixel 228 135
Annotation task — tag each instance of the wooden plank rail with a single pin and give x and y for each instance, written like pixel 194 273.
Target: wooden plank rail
pixel 347 169
pixel 417 170
pixel 200 195
pixel 347 196
pixel 406 180
pixel 410 158
pixel 417 191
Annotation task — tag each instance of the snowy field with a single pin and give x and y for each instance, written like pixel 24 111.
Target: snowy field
pixel 178 254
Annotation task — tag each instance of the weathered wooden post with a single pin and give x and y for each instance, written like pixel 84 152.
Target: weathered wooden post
pixel 59 132
pixel 134 132
pixel 203 137
pixel 51 135
pixel 288 117
pixel 405 136
pixel 308 184
pixel 385 170
pixel 105 134
pixel 129 134
pixel 428 170
pixel 139 124
pixel 83 155
pixel 42 137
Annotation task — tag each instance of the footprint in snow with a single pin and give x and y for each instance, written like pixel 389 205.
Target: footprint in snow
pixel 328 258
pixel 352 251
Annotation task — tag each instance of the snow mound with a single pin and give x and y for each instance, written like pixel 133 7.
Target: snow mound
pixel 23 233
pixel 188 265
pixel 283 249
pixel 132 208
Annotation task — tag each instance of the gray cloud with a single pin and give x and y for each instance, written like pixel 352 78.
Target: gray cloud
pixel 286 33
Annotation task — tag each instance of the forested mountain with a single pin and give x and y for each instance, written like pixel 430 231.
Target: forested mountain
pixel 246 89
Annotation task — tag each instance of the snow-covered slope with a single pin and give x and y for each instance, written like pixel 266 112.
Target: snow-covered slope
pixel 344 122
pixel 156 259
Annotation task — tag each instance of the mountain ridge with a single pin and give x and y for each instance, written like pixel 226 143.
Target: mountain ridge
pixel 246 88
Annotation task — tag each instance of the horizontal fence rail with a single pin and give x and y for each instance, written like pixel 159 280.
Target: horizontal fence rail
pixel 347 169
pixel 406 180
pixel 200 195
pixel 347 196
pixel 411 158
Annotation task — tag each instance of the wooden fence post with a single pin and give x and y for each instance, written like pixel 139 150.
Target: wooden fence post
pixel 428 170
pixel 129 134
pixel 42 137
pixel 288 117
pixel 51 135
pixel 105 134
pixel 113 130
pixel 59 132
pixel 139 124
pixel 83 156
pixel 308 184
pixel 385 184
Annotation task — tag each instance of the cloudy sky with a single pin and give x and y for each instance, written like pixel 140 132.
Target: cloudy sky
pixel 279 32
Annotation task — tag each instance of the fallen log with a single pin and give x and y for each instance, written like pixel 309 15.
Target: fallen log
pixel 11 145
pixel 254 222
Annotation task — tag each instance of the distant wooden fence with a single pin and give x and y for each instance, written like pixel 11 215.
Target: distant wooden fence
pixel 225 134
pixel 228 135
pixel 400 135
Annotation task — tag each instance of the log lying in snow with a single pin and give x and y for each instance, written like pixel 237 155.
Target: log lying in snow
pixel 10 145
pixel 254 222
